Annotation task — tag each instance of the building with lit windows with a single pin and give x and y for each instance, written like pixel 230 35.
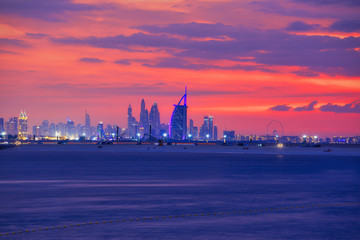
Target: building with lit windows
pixel 154 120
pixel 178 122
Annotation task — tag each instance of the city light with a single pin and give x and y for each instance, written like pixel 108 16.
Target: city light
pixel 189 135
pixel 315 137
pixel 164 135
pixel 224 136
pixel 3 133
pixel 304 136
pixel 280 145
pixel 207 135
pixel 137 134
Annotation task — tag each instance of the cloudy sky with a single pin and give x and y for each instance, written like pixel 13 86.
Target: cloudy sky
pixel 244 62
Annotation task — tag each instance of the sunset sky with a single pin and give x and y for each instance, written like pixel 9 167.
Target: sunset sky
pixel 244 62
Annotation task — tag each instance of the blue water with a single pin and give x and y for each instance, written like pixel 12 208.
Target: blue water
pixel 54 188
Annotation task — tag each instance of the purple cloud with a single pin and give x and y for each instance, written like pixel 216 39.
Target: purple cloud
pixel 7 52
pixel 303 10
pixel 123 62
pixel 282 108
pixel 37 35
pixel 192 29
pixel 346 26
pixel 184 64
pixel 329 55
pixel 306 73
pixel 91 60
pixel 310 107
pixel 155 89
pixel 176 63
pixel 353 107
pixel 300 26
pixel 14 42
pixel 127 43
pixel 352 3
pixel 44 10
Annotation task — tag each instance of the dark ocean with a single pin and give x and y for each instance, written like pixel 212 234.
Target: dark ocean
pixel 41 189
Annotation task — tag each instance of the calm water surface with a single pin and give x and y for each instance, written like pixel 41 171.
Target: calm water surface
pixel 53 188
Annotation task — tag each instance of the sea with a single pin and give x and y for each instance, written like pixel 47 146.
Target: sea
pixel 176 195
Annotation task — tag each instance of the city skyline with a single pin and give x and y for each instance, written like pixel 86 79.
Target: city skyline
pixel 205 130
pixel 245 62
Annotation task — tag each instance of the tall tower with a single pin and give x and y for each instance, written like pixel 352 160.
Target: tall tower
pixel 142 105
pixel 132 123
pixel 178 122
pixel 87 125
pixel 191 130
pixel 154 119
pixel 208 127
pixel 100 130
pixel 12 126
pixel 2 126
pixel 23 131
pixel 144 118
pixel 129 116
pixel 215 133
pixel 211 127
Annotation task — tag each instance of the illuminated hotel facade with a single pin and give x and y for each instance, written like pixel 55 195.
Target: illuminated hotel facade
pixel 23 126
pixel 178 122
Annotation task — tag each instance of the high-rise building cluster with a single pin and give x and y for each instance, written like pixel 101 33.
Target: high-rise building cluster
pixel 149 127
pixel 69 130
pixel 15 127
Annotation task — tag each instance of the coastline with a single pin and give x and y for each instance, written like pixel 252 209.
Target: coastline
pixel 335 150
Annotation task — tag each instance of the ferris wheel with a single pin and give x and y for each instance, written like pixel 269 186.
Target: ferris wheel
pixel 275 129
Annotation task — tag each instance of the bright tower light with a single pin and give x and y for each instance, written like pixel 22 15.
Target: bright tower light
pixel 207 135
pixel 224 136
pixel 138 134
pixel 315 137
pixel 189 135
pixel 304 136
pixel 164 135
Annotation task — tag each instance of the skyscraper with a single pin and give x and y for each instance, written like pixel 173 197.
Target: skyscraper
pixel 207 128
pixel 130 122
pixel 52 130
pixel 43 131
pixel 154 120
pixel 144 118
pixel 178 122
pixel 12 126
pixel 211 127
pixel 23 127
pixel 2 126
pixel 35 130
pixel 70 128
pixel 191 128
pixel 215 133
pixel 100 130
pixel 129 116
pixel 87 125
